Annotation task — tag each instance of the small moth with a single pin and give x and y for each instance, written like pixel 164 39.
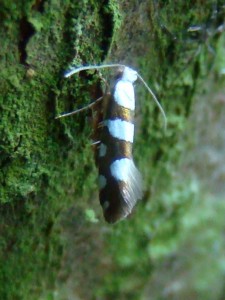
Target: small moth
pixel 120 183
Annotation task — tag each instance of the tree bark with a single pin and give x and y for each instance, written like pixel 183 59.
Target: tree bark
pixel 54 241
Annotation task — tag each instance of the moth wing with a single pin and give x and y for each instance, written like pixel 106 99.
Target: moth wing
pixel 120 194
pixel 131 189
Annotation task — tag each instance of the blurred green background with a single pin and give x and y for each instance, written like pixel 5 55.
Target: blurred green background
pixel 54 243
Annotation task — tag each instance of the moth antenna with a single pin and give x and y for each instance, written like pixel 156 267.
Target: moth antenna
pixel 76 70
pixel 96 67
pixel 155 99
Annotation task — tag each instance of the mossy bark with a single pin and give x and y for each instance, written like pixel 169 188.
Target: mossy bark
pixel 54 243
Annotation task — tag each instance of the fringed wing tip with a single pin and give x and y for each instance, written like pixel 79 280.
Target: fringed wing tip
pixel 130 192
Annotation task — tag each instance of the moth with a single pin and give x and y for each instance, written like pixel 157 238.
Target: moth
pixel 120 183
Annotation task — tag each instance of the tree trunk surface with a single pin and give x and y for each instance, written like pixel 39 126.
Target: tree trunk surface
pixel 54 242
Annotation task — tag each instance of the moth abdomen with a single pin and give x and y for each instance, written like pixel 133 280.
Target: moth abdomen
pixel 120 188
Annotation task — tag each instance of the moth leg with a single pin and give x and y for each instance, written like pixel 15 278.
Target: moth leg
pixel 107 87
pixel 95 143
pixel 81 109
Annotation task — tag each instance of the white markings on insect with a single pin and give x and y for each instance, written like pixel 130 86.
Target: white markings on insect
pixel 121 169
pixel 105 205
pixel 129 75
pixel 120 129
pixel 125 170
pixel 124 94
pixel 102 150
pixel 101 182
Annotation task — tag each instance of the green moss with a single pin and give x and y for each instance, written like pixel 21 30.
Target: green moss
pixel 48 189
pixel 41 169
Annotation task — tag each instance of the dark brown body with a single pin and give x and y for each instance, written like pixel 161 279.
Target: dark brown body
pixel 113 195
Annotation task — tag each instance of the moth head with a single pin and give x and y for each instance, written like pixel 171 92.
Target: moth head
pixel 129 75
